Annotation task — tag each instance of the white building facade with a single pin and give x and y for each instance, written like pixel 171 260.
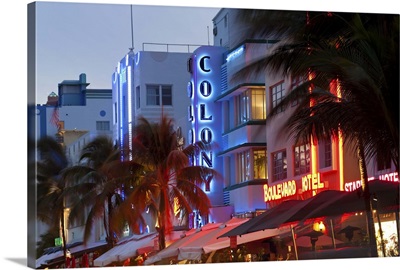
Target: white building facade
pixel 148 84
pixel 74 117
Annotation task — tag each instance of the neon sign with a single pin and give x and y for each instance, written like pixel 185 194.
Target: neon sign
pixel 311 182
pixel 203 64
pixel 391 177
pixel 279 191
pixel 235 53
pixel 201 89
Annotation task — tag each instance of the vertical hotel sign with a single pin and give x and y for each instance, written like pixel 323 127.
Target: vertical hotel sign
pixel 203 112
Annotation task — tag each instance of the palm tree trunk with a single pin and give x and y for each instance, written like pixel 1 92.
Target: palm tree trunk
pixel 161 237
pixel 63 238
pixel 161 222
pixel 381 234
pixel 367 198
pixel 105 225
pixel 111 239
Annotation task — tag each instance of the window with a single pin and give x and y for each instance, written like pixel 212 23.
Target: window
pixel 250 106
pixel 258 110
pixel 260 164
pixel 166 95
pixel 277 94
pixel 328 153
pixel 295 83
pixel 159 95
pixel 302 159
pixel 244 166
pixel 243 104
pixel 137 97
pixel 325 153
pixel 279 166
pixel 103 125
pixel 153 95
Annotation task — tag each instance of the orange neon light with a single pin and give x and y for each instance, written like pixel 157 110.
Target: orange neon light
pixel 340 141
pixel 314 163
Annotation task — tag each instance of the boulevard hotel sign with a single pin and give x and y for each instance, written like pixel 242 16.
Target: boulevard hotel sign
pixel 309 183
pixel 312 182
pixel 203 113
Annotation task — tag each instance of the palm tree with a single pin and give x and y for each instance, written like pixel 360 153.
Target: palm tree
pixel 47 240
pixel 358 53
pixel 167 176
pixel 98 183
pixel 51 192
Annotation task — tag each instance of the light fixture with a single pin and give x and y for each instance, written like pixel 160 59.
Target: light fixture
pixel 319 226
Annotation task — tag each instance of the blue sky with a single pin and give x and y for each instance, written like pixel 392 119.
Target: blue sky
pixel 13 51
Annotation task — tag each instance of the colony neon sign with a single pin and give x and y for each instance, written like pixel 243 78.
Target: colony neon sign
pixel 200 114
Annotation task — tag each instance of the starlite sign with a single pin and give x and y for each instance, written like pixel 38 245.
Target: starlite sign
pixel 391 177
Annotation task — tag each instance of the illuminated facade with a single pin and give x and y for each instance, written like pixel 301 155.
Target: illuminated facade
pixel 148 84
pixel 299 171
pixel 260 165
pixel 230 115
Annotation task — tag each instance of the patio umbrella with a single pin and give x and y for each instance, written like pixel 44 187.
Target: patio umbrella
pixel 286 212
pixel 386 195
pixel 207 241
pixel 55 254
pixel 349 231
pixel 270 219
pixel 173 249
pixel 126 249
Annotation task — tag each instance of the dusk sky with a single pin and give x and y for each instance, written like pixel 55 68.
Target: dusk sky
pixel 74 38
pixel 58 60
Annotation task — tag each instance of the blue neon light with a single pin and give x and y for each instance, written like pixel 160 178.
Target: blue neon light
pixel 137 58
pixel 239 51
pixel 130 112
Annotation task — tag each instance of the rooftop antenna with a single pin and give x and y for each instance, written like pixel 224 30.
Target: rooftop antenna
pixel 133 46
